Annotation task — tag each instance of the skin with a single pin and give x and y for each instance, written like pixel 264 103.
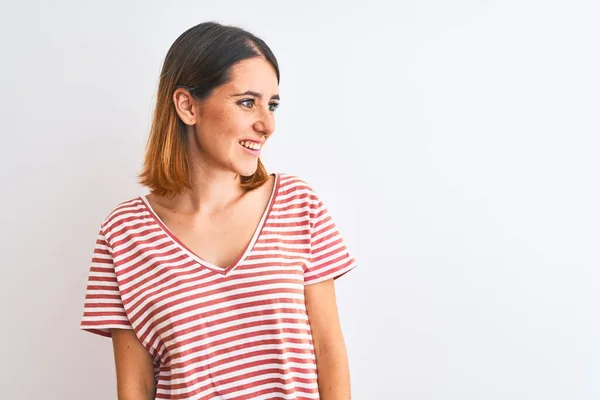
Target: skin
pixel 217 219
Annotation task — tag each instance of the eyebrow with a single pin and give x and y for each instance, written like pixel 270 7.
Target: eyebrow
pixel 255 94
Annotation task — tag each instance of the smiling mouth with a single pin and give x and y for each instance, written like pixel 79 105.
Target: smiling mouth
pixel 250 145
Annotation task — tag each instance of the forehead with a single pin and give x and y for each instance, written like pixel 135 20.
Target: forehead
pixel 254 74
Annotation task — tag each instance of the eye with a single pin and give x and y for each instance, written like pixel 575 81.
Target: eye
pixel 248 103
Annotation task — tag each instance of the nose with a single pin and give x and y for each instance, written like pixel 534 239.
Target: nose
pixel 265 123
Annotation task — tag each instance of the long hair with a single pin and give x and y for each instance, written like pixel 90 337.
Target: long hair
pixel 200 60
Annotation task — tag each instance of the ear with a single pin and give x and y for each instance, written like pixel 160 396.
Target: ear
pixel 186 106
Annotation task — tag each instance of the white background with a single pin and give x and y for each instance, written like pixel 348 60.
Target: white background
pixel 455 143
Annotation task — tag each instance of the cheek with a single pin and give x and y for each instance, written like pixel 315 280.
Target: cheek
pixel 226 120
pixel 225 126
pixel 216 127
pixel 234 125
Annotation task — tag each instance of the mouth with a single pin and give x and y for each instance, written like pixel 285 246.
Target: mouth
pixel 252 147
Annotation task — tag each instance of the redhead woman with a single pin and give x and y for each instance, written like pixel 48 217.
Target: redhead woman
pixel 219 282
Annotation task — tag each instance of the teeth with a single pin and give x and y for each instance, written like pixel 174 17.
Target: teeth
pixel 250 145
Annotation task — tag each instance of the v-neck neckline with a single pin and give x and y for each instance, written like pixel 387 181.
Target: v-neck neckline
pixel 200 260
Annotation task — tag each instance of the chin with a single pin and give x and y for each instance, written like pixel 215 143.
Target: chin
pixel 246 170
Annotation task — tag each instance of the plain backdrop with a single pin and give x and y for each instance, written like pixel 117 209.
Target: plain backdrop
pixel 456 145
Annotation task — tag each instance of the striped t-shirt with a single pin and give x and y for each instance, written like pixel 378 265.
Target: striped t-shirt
pixel 236 333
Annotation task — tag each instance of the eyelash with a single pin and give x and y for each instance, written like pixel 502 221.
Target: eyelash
pixel 274 105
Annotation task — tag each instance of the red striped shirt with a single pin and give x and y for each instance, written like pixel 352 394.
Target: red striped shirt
pixel 213 333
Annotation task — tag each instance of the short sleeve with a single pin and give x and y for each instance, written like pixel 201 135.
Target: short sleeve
pixel 329 256
pixel 103 308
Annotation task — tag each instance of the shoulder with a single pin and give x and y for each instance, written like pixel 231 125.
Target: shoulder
pixel 126 212
pixel 297 197
pixel 294 186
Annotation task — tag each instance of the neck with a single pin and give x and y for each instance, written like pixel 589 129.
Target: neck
pixel 213 191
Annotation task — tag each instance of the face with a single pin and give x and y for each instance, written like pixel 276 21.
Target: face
pixel 231 126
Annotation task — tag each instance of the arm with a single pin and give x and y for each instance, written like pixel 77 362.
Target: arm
pixel 330 349
pixel 135 370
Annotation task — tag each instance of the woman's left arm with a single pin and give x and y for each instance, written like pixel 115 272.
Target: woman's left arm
pixel 330 350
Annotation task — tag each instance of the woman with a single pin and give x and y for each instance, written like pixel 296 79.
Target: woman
pixel 218 284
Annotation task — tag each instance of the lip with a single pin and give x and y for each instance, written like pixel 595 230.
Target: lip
pixel 252 141
pixel 251 151
pixel 255 153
